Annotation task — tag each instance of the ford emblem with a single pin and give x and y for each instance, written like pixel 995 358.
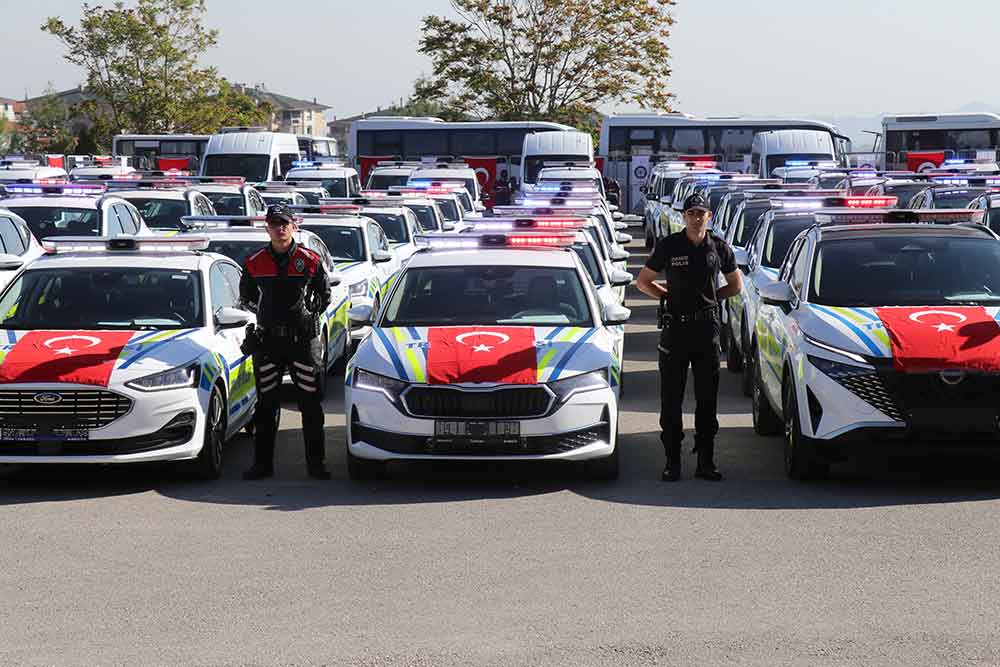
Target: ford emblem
pixel 47 398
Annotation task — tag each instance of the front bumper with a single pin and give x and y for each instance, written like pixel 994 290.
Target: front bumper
pixel 160 426
pixel 581 429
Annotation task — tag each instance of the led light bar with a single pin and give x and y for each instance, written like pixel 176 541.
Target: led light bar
pixel 217 180
pixel 928 216
pixel 221 221
pixel 569 209
pixel 54 189
pixel 473 240
pixel 345 209
pixel 61 244
pixel 529 223
pixel 146 183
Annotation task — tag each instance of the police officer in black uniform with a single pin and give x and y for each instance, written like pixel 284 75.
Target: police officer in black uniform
pixel 691 261
pixel 288 287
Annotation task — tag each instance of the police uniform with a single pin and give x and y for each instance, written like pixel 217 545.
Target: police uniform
pixel 690 337
pixel 288 291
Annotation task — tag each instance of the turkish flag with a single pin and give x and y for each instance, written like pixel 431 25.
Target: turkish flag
pixel 367 163
pixel 486 173
pixel 481 354
pixel 169 163
pixel 917 159
pixel 934 338
pixel 81 357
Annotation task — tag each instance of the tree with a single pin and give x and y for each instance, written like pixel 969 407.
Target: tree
pixel 143 71
pixel 45 126
pixel 548 59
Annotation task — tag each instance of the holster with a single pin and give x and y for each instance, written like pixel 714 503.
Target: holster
pixel 253 340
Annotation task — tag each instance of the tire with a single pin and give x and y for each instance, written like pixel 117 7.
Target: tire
pixel 734 357
pixel 749 361
pixel 765 420
pixel 801 461
pixel 208 465
pixel 360 469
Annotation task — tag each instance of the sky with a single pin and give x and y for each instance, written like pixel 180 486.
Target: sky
pixel 729 57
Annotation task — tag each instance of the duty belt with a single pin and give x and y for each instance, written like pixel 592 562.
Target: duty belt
pixel 280 331
pixel 705 315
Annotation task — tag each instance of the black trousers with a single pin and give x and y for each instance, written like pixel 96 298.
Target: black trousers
pixel 694 345
pixel 303 360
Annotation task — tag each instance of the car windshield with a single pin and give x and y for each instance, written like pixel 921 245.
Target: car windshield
pixel 337 187
pixel 49 221
pixel 251 167
pixel 290 198
pixel 533 165
pixel 914 270
pixel 954 198
pixel 829 180
pixel 386 181
pixel 780 236
pixel 449 209
pixel 235 250
pixel 747 224
pixel 344 243
pixel 393 224
pixel 103 298
pixel 161 213
pixel 425 216
pixel 226 203
pixel 596 238
pixel 993 219
pixel 313 196
pixel 904 193
pixel 589 260
pixel 488 295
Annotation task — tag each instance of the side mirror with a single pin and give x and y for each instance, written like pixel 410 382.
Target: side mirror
pixel 380 256
pixel 228 317
pixel 614 209
pixel 619 225
pixel 619 255
pixel 617 217
pixel 10 262
pixel 621 278
pixel 623 239
pixel 335 279
pixel 742 259
pixel 777 293
pixel 360 315
pixel 666 199
pixel 615 314
pixel 448 226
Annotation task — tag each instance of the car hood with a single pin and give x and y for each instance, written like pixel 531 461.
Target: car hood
pixel 101 358
pixel 484 354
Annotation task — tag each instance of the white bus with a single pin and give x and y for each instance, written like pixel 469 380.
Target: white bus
pixel 497 144
pixel 917 142
pixel 630 143
pixel 161 151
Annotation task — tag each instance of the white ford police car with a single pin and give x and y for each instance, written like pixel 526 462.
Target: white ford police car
pixel 122 351
pixel 489 347
pixel 878 336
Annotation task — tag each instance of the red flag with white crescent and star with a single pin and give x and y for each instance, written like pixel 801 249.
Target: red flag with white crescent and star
pixel 80 357
pixel 481 354
pixel 934 338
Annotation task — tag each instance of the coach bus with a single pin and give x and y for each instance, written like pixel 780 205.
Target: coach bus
pixel 923 141
pixel 161 151
pixel 631 143
pixel 498 144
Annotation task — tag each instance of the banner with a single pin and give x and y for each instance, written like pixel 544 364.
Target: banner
pixel 367 163
pixel 56 161
pixel 486 173
pixel 82 357
pixel 168 163
pixel 639 170
pixel 923 160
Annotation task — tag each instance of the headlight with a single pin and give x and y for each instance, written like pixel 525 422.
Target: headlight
pixel 836 350
pixel 836 370
pixel 564 389
pixel 359 288
pixel 175 378
pixel 391 387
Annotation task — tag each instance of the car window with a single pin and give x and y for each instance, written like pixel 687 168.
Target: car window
pixel 793 253
pixel 223 294
pixel 12 242
pixel 798 272
pixel 115 227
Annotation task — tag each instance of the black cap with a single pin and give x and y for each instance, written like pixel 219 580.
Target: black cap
pixel 696 201
pixel 279 212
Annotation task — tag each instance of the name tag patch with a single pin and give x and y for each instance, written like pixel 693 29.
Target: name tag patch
pixel 679 261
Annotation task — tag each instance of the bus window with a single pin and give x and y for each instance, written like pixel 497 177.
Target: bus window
pixel 473 142
pixel 423 142
pixel 510 142
pixel 387 142
pixel 688 141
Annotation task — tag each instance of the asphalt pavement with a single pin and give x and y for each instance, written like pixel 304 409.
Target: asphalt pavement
pixel 891 562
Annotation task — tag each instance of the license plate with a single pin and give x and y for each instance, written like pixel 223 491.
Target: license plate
pixel 477 431
pixel 8 434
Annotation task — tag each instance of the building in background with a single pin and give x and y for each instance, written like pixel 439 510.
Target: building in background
pixel 290 114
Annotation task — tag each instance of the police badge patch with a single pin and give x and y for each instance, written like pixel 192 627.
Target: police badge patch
pixel 300 264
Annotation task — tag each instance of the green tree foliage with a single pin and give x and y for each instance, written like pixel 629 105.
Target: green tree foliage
pixel 548 59
pixel 143 70
pixel 45 126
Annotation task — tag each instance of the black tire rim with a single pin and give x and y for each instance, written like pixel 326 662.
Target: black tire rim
pixel 755 397
pixel 789 419
pixel 214 430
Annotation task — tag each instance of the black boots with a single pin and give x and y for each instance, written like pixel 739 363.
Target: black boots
pixel 671 471
pixel 706 464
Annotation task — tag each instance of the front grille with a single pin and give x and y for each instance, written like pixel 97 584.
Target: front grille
pixel 868 386
pixel 497 404
pixel 84 408
pixel 927 401
pixel 533 445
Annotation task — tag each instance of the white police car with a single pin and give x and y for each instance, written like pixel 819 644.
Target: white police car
pixel 123 351
pixel 336 178
pixel 489 347
pixel 876 336
pixel 237 237
pixel 230 195
pixel 73 209
pixel 163 202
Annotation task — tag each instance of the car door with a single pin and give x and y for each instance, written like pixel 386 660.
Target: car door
pixel 775 327
pixel 224 290
pixel 384 271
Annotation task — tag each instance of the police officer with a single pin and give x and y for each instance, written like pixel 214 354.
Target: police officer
pixel 288 287
pixel 691 261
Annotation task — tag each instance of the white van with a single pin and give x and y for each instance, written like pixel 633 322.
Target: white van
pixel 553 148
pixel 790 148
pixel 251 152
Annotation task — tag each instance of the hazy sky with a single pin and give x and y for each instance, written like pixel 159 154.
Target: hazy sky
pixel 843 57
